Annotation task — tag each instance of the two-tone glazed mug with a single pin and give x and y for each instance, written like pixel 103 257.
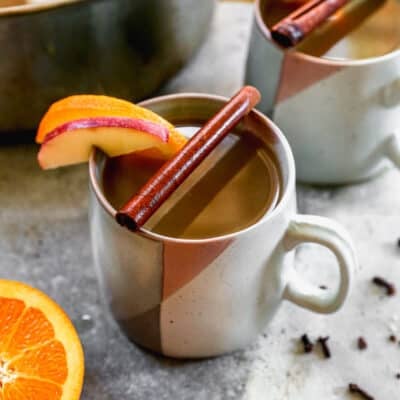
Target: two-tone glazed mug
pixel 204 297
pixel 340 116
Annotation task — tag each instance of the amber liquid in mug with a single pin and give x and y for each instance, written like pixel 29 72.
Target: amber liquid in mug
pixel 233 188
pixel 361 29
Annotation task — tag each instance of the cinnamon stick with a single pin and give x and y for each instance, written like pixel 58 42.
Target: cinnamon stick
pixel 297 25
pixel 173 173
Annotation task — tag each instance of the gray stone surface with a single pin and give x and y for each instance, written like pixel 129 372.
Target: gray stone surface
pixel 44 241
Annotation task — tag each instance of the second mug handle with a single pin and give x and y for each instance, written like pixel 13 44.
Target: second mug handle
pixel 392 149
pixel 323 231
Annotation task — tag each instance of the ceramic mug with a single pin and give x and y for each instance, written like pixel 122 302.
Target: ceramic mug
pixel 200 298
pixel 339 116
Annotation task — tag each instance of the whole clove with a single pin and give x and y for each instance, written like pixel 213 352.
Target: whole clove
pixel 362 343
pixel 398 375
pixel 323 287
pixel 323 341
pixel 390 288
pixel 393 338
pixel 307 344
pixel 398 242
pixel 355 389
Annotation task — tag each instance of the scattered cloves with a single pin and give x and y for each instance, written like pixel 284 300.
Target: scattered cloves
pixel 390 288
pixel 307 344
pixel 355 389
pixel 362 343
pixel 323 341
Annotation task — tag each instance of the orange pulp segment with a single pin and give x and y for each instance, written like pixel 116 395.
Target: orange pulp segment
pixel 41 356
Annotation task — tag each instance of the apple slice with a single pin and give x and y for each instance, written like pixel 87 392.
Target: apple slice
pixel 73 141
pixel 81 106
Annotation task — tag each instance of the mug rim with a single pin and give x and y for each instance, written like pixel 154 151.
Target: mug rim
pixel 26 9
pixel 282 203
pixel 319 60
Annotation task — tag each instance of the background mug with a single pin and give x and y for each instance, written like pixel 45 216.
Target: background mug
pixel 200 298
pixel 339 116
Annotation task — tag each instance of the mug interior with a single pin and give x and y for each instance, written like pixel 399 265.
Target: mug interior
pixel 377 37
pixel 196 109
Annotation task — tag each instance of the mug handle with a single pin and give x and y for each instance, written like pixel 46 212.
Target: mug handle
pixel 323 231
pixel 391 98
pixel 392 149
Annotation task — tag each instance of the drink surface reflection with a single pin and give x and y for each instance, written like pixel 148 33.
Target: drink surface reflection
pixel 232 189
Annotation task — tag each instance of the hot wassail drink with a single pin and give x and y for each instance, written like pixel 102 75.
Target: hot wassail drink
pixel 232 189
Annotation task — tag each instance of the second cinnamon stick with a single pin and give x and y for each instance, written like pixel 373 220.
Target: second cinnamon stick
pixel 296 26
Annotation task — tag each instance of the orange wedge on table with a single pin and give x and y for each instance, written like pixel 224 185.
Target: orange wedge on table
pixel 74 125
pixel 41 356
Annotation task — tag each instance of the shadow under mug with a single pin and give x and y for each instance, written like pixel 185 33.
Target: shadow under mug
pixel 200 298
pixel 339 116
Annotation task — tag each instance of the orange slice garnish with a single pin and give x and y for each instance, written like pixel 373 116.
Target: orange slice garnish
pixel 41 356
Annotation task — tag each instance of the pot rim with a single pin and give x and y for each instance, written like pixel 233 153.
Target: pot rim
pixel 320 60
pixel 25 9
pixel 282 205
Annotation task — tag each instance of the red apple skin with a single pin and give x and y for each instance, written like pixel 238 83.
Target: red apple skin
pixel 152 128
pixel 158 131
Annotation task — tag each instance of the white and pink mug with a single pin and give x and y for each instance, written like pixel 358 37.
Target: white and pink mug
pixel 341 117
pixel 200 298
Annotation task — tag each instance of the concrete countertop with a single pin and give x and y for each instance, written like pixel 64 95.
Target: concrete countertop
pixel 45 242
